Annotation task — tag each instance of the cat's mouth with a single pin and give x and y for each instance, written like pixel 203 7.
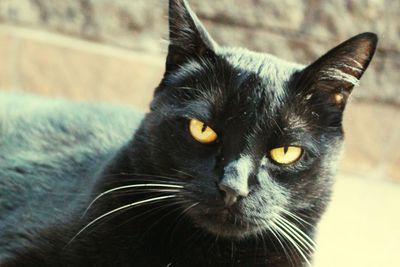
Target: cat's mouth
pixel 232 222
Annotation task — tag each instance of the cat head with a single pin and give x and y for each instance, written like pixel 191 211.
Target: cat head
pixel 253 138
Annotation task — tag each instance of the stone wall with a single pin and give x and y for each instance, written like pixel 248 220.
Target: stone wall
pixel 113 50
pixel 295 30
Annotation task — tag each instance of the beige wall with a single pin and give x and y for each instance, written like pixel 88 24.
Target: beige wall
pixel 297 30
pixel 112 50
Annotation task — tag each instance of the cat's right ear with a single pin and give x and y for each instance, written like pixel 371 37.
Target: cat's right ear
pixel 187 36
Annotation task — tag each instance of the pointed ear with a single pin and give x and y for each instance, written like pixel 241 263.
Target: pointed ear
pixel 188 37
pixel 340 69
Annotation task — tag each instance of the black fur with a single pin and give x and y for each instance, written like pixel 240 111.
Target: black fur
pixel 255 102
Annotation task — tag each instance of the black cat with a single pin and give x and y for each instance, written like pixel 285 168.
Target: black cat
pixel 232 166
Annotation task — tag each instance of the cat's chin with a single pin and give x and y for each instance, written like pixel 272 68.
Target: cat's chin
pixel 229 225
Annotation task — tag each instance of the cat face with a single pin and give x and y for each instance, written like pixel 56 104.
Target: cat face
pixel 253 138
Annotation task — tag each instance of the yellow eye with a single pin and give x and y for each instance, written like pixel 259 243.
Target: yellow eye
pixel 286 155
pixel 201 132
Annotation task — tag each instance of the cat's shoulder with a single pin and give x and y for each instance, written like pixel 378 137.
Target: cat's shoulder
pixel 50 150
pixel 30 115
pixel 58 136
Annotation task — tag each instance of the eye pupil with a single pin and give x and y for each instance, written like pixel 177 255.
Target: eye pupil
pixel 201 132
pixel 203 128
pixel 286 155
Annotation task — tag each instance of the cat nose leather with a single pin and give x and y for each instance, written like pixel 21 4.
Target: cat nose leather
pixel 232 193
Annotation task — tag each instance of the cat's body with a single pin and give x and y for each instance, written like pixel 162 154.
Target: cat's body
pixel 52 150
pixel 233 166
pixel 51 190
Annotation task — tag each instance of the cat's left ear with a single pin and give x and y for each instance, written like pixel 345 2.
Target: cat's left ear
pixel 188 37
pixel 339 70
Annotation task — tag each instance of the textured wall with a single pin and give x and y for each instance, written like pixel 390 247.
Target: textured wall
pixel 295 30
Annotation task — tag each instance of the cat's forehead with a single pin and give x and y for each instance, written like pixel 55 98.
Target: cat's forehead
pixel 252 60
pixel 238 84
pixel 272 70
pixel 272 77
pixel 246 80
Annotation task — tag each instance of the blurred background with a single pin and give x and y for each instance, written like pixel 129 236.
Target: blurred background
pixel 114 50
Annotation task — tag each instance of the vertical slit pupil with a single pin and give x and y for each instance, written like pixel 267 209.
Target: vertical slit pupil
pixel 285 149
pixel 203 128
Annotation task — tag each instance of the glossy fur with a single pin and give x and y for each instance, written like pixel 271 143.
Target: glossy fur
pixel 170 200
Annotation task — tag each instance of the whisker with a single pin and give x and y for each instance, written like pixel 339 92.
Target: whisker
pixel 272 230
pixel 296 217
pixel 288 236
pixel 295 234
pixel 183 172
pixel 299 231
pixel 289 242
pixel 161 218
pixel 139 174
pixel 181 215
pixel 259 238
pixel 128 187
pixel 152 210
pixel 131 205
pixel 137 191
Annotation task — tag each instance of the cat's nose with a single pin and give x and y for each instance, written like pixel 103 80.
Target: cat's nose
pixel 232 194
pixel 235 183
